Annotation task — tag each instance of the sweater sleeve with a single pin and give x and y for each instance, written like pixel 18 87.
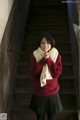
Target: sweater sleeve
pixel 36 67
pixel 55 68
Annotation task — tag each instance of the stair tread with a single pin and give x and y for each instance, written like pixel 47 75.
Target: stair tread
pixel 50 25
pixel 21 108
pixel 26 105
pixel 41 8
pixel 29 90
pixel 26 64
pixel 46 4
pixel 45 12
pixel 57 42
pixel 61 52
pixel 48 8
pixel 48 17
pixel 29 76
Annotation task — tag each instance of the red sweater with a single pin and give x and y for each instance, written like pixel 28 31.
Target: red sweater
pixel 52 86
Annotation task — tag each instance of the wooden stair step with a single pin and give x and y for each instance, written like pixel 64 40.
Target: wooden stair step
pixel 49 11
pixel 22 114
pixel 48 25
pixel 49 6
pixel 58 37
pixel 57 40
pixel 66 58
pixel 67 84
pixel 29 115
pixel 57 3
pixel 39 15
pixel 24 69
pixel 28 76
pixel 48 18
pixel 36 18
pixel 53 34
pixel 55 28
pixel 24 82
pixel 23 105
pixel 27 65
pixel 66 46
pixel 68 99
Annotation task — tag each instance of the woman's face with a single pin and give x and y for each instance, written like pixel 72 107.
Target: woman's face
pixel 45 46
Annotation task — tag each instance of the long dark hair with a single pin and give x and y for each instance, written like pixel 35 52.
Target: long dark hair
pixel 49 39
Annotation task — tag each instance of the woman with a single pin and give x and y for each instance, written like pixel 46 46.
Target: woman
pixel 46 67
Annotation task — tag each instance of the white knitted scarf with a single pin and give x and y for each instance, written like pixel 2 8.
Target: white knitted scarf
pixel 45 74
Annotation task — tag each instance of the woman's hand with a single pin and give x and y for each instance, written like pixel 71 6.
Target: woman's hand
pixel 46 55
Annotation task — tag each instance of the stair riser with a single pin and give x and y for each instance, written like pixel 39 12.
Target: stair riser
pixel 48 17
pixel 64 37
pixel 24 114
pixel 48 13
pixel 68 100
pixel 65 47
pixel 41 1
pixel 57 37
pixel 56 4
pixel 32 43
pixel 43 8
pixel 66 85
pixel 27 84
pixel 24 70
pixel 31 116
pixel 48 26
pixel 58 1
pixel 66 58
pixel 36 7
pixel 54 29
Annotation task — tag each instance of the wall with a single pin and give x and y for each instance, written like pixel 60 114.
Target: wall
pixel 5 8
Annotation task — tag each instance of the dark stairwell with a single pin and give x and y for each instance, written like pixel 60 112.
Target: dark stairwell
pixel 45 15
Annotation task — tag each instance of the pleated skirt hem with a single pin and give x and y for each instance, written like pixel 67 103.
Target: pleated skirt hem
pixel 43 104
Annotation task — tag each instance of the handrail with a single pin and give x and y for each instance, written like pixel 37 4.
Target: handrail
pixel 10 50
pixel 73 19
pixel 77 33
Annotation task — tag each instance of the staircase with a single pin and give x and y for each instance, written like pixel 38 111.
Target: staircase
pixel 45 15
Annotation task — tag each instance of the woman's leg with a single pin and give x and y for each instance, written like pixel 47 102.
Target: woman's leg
pixel 40 116
pixel 51 116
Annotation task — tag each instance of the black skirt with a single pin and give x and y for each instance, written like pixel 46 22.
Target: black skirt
pixel 43 104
